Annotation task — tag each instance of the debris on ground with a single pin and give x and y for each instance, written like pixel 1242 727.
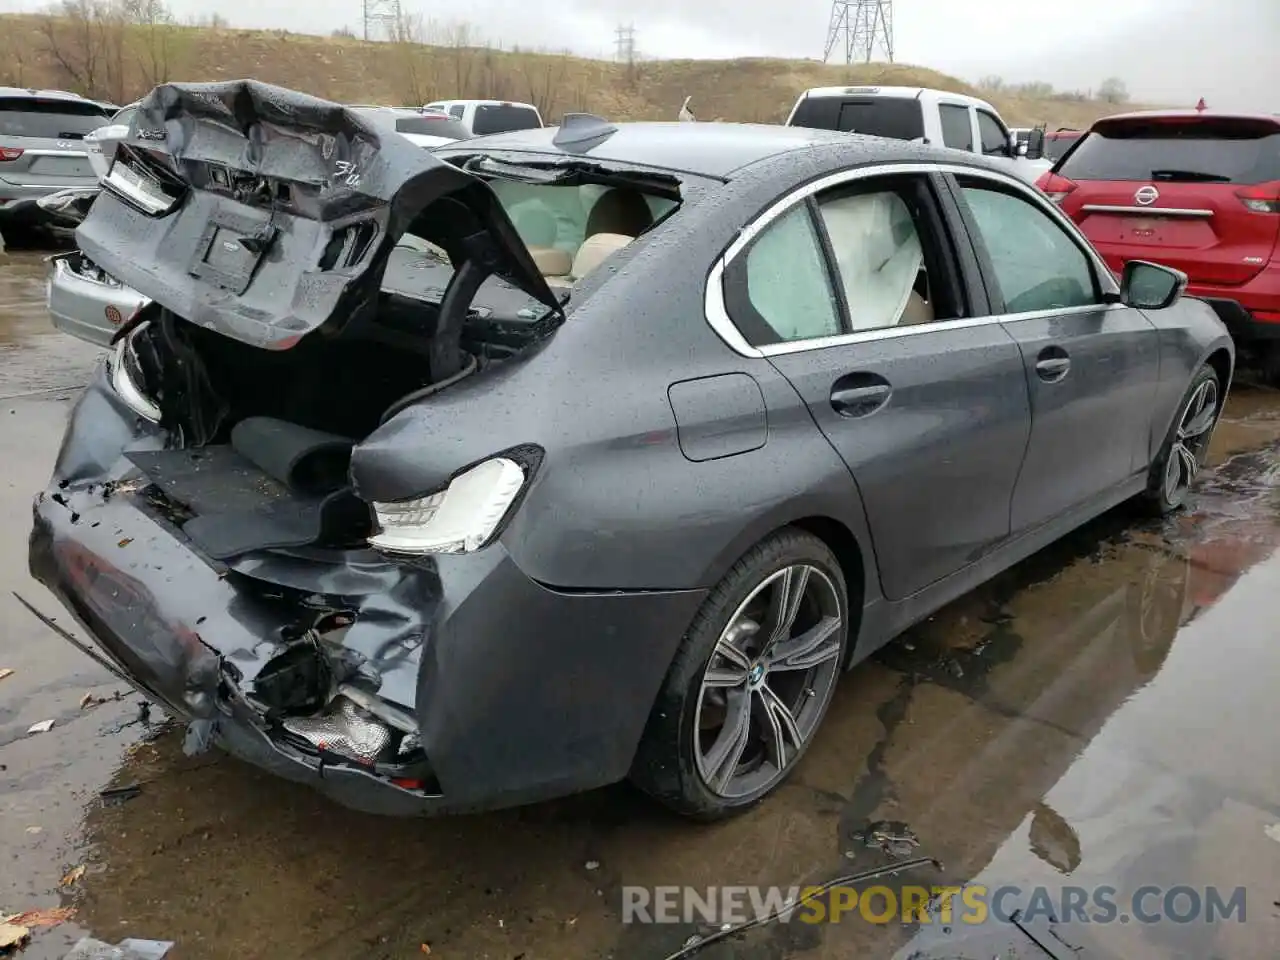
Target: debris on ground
pixel 128 949
pixel 92 700
pixel 1273 831
pixel 425 948
pixel 120 794
pixel 72 876
pixel 44 917
pixel 12 935
pixel 44 726
pixel 6 673
pixel 889 836
pixel 593 864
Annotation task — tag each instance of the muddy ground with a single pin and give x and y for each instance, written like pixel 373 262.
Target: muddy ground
pixel 1103 713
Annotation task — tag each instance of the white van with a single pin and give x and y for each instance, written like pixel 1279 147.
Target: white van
pixel 482 117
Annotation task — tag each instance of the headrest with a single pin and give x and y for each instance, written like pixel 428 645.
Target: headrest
pixel 551 261
pixel 595 250
pixel 621 211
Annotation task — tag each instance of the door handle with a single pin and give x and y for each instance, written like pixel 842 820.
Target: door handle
pixel 859 394
pixel 1052 364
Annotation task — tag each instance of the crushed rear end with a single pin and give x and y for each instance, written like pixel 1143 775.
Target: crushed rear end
pixel 206 522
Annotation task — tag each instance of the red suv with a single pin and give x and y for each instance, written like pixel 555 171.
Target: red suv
pixel 1197 191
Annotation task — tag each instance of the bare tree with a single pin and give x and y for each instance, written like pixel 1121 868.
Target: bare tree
pixel 71 35
pixel 13 60
pixel 410 62
pixel 544 75
pixel 153 36
pixel 1113 90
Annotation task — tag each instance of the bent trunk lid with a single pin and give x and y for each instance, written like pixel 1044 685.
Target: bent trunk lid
pixel 289 208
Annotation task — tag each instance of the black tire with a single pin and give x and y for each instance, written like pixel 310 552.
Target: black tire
pixel 1157 494
pixel 666 766
pixel 1270 362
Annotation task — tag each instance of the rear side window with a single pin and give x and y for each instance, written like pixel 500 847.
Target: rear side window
pixel 897 118
pixel 1194 151
pixel 432 127
pixel 957 131
pixel 49 119
pixel 501 117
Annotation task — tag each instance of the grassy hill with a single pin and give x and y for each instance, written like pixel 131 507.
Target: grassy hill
pixel 114 60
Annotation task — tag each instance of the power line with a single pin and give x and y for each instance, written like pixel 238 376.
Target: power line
pixel 862 27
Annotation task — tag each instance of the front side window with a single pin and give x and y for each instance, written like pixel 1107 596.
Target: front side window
pixel 1037 264
pixel 995 139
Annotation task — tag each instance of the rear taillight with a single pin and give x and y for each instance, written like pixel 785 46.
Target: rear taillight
pixel 1261 198
pixel 1054 186
pixel 10 153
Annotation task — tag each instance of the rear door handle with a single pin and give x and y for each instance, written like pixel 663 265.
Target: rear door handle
pixel 859 394
pixel 1052 364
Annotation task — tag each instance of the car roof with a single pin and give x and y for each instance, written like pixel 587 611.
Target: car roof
pixel 704 149
pixel 490 103
pixel 905 93
pixel 35 94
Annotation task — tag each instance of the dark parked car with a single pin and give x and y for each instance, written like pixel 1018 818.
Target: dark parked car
pixel 461 479
pixel 42 149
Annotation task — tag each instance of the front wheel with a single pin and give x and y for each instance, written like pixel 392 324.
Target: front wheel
pixel 1187 446
pixel 751 681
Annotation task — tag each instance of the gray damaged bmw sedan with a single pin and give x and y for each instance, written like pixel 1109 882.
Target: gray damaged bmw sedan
pixel 456 481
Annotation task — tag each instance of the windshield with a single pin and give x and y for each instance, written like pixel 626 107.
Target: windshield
pixel 1055 148
pixel 49 119
pixel 897 118
pixel 440 126
pixel 1203 151
pixel 501 117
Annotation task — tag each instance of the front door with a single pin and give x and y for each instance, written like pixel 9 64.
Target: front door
pixel 1092 367
pixel 855 298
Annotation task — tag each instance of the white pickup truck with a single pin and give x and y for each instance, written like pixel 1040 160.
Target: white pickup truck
pixel 937 117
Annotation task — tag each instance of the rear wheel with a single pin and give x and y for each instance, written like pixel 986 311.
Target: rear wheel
pixel 751 682
pixel 1187 445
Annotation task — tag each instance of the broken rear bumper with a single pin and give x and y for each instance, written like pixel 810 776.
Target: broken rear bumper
pixel 521 692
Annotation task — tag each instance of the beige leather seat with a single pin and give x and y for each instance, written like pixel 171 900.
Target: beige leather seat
pixel 917 310
pixel 551 261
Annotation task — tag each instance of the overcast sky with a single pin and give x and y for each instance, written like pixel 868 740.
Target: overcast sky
pixel 1168 51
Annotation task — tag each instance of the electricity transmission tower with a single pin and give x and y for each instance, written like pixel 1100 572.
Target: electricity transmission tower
pixel 862 27
pixel 379 13
pixel 625 44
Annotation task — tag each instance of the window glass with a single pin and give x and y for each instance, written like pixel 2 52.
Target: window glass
pixel 957 131
pixel 1204 151
pixel 878 255
pixel 1037 264
pixel 457 111
pixel 786 282
pixel 995 140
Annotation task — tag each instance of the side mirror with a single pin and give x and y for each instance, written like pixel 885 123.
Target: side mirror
pixel 1034 147
pixel 1149 286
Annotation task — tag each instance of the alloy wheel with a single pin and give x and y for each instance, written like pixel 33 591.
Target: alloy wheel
pixel 768 681
pixel 1190 442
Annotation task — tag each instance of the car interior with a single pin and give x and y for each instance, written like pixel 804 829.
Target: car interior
pixel 617 217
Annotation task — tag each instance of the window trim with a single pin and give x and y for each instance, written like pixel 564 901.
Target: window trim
pixel 717 316
pixel 995 292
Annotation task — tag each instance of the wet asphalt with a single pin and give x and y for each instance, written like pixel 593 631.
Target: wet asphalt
pixel 1104 713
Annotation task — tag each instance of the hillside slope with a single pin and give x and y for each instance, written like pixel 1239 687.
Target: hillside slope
pixel 119 62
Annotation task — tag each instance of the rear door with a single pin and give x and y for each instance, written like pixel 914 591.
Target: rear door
pixel 41 141
pixel 856 297
pixel 1177 191
pixel 1092 366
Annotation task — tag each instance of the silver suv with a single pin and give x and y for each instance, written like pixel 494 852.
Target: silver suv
pixel 42 149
